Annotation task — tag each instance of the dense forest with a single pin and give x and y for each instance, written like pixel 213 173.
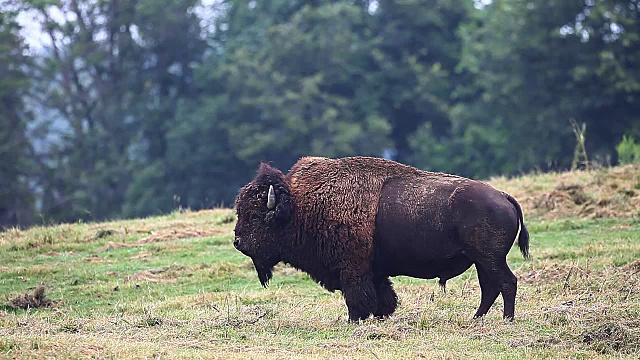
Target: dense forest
pixel 123 108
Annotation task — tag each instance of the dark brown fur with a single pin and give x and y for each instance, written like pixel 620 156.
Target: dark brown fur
pixel 351 223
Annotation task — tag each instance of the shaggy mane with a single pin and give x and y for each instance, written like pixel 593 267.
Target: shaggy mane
pixel 268 175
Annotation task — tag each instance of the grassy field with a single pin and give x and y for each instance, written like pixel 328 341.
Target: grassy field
pixel 174 287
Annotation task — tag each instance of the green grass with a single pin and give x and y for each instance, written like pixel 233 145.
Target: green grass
pixel 174 287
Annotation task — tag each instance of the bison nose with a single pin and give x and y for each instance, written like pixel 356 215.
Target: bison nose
pixel 236 242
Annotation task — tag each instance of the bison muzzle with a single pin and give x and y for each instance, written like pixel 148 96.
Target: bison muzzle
pixel 352 223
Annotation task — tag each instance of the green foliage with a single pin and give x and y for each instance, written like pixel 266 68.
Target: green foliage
pixel 113 87
pixel 142 106
pixel 16 167
pixel 417 51
pixel 302 91
pixel 628 150
pixel 531 66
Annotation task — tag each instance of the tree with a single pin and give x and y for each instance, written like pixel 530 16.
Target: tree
pixel 85 79
pixel 609 70
pixel 532 66
pixel 171 49
pixel 302 89
pixel 417 54
pixel 16 166
pixel 145 105
pixel 114 72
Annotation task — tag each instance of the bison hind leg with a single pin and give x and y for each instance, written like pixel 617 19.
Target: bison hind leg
pixel 387 298
pixel 443 285
pixel 489 292
pixel 493 281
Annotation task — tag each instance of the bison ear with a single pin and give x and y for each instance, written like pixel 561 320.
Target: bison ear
pixel 282 207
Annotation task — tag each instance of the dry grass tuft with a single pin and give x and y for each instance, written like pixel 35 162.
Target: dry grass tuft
pixel 103 233
pixel 549 272
pixel 633 267
pixel 610 337
pixel 375 330
pixel 37 299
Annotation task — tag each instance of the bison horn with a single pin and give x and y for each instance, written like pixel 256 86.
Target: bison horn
pixel 271 199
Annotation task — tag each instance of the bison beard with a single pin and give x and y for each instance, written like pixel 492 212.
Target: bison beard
pixel 352 223
pixel 264 274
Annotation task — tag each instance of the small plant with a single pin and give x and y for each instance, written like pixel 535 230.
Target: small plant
pixel 226 219
pixel 580 152
pixel 6 346
pixel 628 150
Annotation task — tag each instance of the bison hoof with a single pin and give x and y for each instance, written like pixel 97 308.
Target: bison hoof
pixel 382 317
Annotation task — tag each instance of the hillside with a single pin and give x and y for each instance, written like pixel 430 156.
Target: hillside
pixel 174 287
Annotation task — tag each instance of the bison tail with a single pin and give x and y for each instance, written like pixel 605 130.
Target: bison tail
pixel 523 238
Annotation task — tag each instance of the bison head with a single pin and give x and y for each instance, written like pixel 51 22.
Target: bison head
pixel 264 208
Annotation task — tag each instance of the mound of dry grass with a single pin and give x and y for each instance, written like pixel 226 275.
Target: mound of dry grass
pixel 610 337
pixel 604 193
pixel 37 299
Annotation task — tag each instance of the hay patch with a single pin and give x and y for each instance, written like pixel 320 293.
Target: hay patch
pixel 117 245
pixel 165 275
pixel 200 213
pixel 603 193
pixel 564 199
pixel 175 234
pixel 164 235
pixel 553 272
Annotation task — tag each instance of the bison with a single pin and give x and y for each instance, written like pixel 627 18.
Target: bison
pixel 351 223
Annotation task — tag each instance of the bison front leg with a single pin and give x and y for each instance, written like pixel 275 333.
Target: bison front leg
pixel 387 298
pixel 360 295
